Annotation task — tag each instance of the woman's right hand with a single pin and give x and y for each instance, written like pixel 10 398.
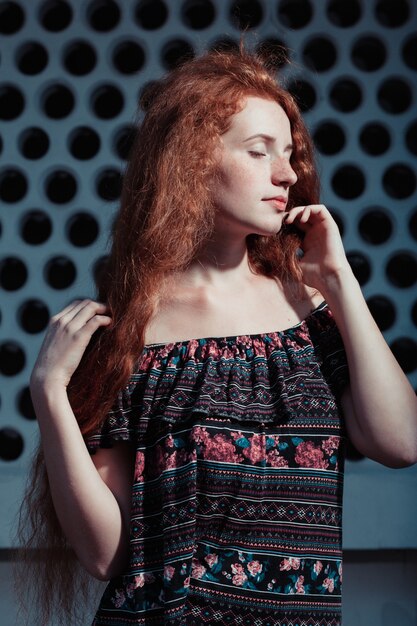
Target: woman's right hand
pixel 67 337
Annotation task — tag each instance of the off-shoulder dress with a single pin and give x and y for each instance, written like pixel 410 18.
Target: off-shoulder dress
pixel 237 492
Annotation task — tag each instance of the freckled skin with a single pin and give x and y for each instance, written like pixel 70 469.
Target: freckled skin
pixel 254 167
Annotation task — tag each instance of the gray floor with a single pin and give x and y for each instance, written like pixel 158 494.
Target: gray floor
pixel 380 589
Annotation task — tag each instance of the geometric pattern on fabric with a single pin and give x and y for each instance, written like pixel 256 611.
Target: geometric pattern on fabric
pixel 237 494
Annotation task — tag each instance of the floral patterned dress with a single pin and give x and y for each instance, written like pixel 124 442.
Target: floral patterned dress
pixel 237 494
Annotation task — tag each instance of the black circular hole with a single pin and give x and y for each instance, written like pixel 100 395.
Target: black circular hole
pixel 329 138
pixel 13 185
pixel 392 13
pixel 58 101
pixel 79 58
pixel 151 14
pixel 409 52
pixel 60 186
pixel 304 94
pixel 295 13
pixel 375 226
pixel 319 54
pixel 344 14
pixel 11 444
pixel 401 270
pixel 12 358
pixel 394 95
pixel 107 101
pixel 369 53
pixel 360 266
pixel 60 272
pixel 405 351
pixel 33 143
pixel 274 52
pixel 198 14
pixel 383 311
pixel 246 13
pixel 345 95
pixel 348 182
pixel 12 102
pixel 338 221
pixel 82 229
pixel 13 273
pixel 175 52
pixel 84 143
pixel 399 181
pixel 32 58
pixel 224 44
pixel 374 139
pixel 411 138
pixel 109 184
pixel 412 225
pixel 12 18
pixel 99 267
pixel 103 15
pixel 55 15
pixel 24 404
pixel 36 227
pixel 1 144
pixel 123 141
pixel 33 316
pixel 128 57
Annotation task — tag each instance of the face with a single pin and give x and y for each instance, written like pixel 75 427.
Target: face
pixel 255 170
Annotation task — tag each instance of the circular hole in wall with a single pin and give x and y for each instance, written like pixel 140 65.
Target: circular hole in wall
pixel 13 185
pixel 399 181
pixel 60 186
pixel 123 141
pixel 82 229
pixel 394 95
pixel 198 14
pixel 60 272
pixel 392 13
pixel 32 58
pixel 12 102
pixel 103 15
pixel 246 14
pixel 11 444
pixel 33 316
pixel 35 227
pixel 12 358
pixel 151 14
pixel 84 143
pixel 109 184
pixel 382 310
pixel 360 266
pixel 319 54
pixel 295 13
pixel 405 351
pixel 375 226
pixel 13 273
pixel 33 143
pixel 348 182
pixel 304 94
pixel 409 52
pixel 107 101
pixel 401 270
pixel 128 57
pixel 411 138
pixel 12 18
pixel 274 52
pixel 175 52
pixel 57 101
pixel 345 95
pixel 369 53
pixel 55 15
pixel 374 139
pixel 25 405
pixel 329 138
pixel 79 58
pixel 344 14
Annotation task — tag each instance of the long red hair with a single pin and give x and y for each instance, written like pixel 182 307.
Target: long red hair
pixel 166 216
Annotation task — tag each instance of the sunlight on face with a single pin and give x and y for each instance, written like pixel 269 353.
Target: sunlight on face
pixel 255 172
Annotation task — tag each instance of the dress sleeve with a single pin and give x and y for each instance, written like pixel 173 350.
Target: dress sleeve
pixel 118 425
pixel 334 364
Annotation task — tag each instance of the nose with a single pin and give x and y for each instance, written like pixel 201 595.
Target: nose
pixel 282 173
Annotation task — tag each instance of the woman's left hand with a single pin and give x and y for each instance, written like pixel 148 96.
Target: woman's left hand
pixel 324 255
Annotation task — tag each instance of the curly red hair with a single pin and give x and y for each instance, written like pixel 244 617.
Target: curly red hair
pixel 165 218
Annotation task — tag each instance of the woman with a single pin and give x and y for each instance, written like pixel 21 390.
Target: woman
pixel 240 351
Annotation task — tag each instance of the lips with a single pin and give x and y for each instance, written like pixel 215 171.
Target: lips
pixel 279 202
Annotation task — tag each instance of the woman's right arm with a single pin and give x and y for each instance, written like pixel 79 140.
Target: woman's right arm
pixel 91 495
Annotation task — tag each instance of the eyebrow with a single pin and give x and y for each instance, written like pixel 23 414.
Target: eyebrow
pixel 290 146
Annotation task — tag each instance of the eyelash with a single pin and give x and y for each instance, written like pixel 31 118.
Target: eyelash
pixel 256 154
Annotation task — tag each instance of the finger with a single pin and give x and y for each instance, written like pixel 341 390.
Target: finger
pixel 86 311
pixel 66 310
pixel 89 328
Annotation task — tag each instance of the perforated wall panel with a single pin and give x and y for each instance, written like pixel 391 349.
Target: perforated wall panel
pixel 70 77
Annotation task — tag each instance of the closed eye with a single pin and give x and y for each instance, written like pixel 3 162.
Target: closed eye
pixel 256 154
